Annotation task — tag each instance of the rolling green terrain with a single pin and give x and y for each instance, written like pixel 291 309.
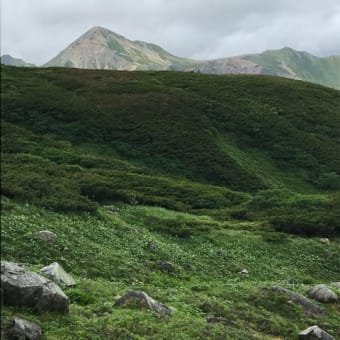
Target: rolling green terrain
pixel 301 65
pixel 222 173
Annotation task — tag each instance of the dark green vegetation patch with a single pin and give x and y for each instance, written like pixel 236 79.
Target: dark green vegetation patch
pixel 189 142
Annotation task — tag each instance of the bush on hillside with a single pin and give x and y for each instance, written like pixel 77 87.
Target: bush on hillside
pixel 315 223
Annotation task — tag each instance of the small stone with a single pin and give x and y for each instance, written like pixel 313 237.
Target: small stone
pixel 56 273
pixel 189 266
pixel 153 246
pixel 46 236
pixel 167 266
pixel 315 333
pixel 325 241
pixel 322 293
pixel 142 297
pixel 292 281
pixel 207 307
pixel 244 272
pixel 215 319
pixel 23 329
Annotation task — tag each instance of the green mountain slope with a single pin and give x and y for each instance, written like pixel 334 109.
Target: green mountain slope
pixel 215 174
pixel 300 65
pixel 76 138
pixel 185 124
pixel 110 254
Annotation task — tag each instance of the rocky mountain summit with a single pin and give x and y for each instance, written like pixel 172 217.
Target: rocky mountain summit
pixel 100 48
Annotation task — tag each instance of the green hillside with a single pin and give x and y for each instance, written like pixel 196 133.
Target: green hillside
pixel 222 173
pixel 294 64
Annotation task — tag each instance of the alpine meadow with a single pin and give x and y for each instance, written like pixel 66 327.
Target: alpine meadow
pixel 213 199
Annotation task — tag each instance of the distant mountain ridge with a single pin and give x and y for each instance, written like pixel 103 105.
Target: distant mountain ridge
pixel 7 59
pixel 100 48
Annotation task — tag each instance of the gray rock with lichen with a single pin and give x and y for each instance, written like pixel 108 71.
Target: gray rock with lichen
pixel 56 273
pixel 144 299
pixel 22 329
pixel 21 287
pixel 322 293
pixel 315 333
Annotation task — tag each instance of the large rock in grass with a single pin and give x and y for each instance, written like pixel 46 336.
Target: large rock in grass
pixel 309 307
pixel 315 333
pixel 139 297
pixel 22 329
pixel 56 273
pixel 21 287
pixel 322 293
pixel 46 236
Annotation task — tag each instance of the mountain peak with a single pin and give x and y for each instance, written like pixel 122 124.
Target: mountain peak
pixel 102 31
pixel 7 59
pixel 100 48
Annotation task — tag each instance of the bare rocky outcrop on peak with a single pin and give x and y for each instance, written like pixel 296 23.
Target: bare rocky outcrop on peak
pixel 100 48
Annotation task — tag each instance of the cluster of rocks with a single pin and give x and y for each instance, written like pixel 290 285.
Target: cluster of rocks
pixel 25 288
pixel 21 287
pixel 320 293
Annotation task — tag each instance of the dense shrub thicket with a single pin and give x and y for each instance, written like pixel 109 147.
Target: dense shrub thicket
pixel 235 146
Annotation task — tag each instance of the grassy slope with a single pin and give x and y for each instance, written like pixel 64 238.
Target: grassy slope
pixel 325 71
pixel 202 146
pixel 108 255
pixel 175 122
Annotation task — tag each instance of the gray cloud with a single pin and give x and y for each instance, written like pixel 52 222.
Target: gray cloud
pixel 37 30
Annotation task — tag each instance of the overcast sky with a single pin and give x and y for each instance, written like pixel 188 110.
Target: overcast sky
pixel 36 30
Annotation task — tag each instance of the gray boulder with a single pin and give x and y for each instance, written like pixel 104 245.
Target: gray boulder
pixel 322 293
pixel 315 333
pixel 142 298
pixel 46 236
pixel 309 307
pixel 21 287
pixel 56 273
pixel 22 329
